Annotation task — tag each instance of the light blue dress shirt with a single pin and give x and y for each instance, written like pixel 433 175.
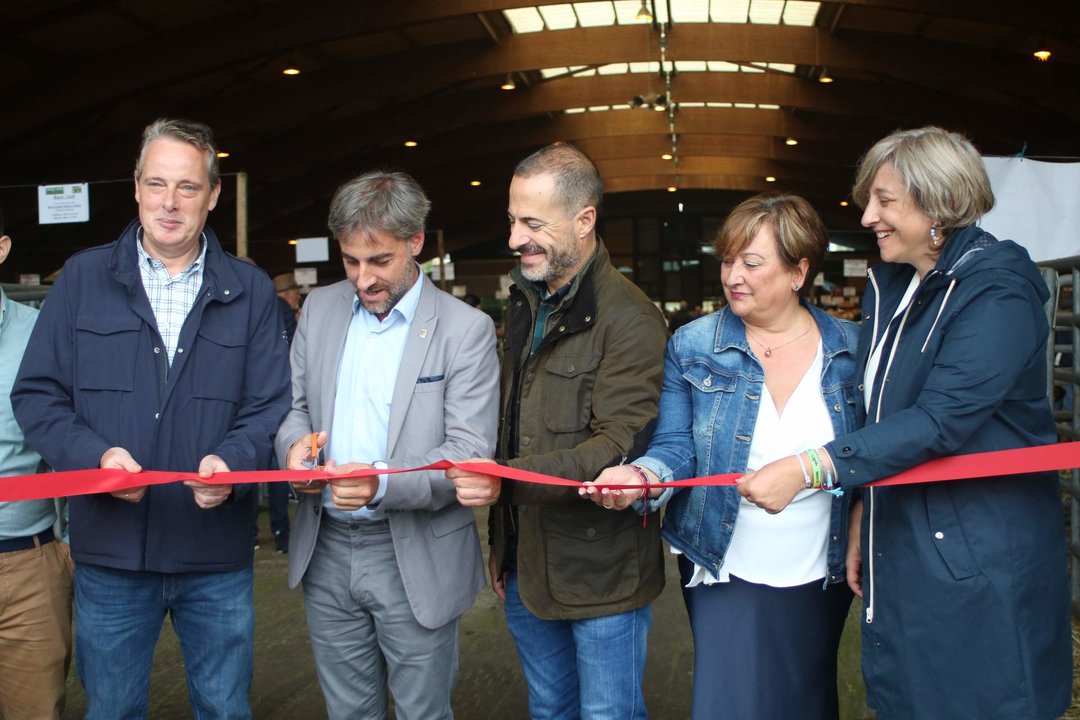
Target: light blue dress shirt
pixel 366 377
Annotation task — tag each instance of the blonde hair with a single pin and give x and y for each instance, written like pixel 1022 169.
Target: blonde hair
pixel 800 232
pixel 941 171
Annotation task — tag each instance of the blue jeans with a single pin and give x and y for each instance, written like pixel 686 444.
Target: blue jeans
pixel 580 669
pixel 119 615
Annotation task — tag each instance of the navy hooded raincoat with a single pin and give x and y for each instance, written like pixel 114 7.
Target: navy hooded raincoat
pixel 965 588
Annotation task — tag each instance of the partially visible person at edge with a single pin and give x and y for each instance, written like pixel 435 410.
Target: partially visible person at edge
pixel 764 377
pixel 581 375
pixel 35 563
pixel 964 584
pixel 160 351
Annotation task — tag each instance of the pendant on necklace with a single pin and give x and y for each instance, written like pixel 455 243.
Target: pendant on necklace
pixel 768 352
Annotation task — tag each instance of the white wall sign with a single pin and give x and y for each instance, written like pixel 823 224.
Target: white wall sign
pixel 29 279
pixel 854 268
pixel 63 204
pixel 312 250
pixel 306 276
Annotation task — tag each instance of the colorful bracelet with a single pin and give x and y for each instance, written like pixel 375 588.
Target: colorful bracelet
pixel 644 481
pixel 815 467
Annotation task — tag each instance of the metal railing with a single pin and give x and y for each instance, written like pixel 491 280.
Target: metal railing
pixel 1063 387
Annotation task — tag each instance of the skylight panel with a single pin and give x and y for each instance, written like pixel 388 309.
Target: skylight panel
pixel 599 108
pixel 691 104
pixel 745 106
pixel 558 17
pixel 614 69
pixel 524 20
pixel 621 107
pixel 645 67
pixel 689 11
pixel 588 72
pixel 626 11
pixel 547 73
pixel 573 111
pixel 718 105
pixel 798 12
pixel 765 12
pixel 768 106
pixel 729 11
pixel 751 68
pixel 691 66
pixel 783 67
pixel 595 14
pixel 722 66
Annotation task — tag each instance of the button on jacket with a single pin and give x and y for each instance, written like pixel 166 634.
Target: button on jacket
pixel 95 375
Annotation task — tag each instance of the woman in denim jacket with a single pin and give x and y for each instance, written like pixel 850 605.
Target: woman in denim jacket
pixel 765 377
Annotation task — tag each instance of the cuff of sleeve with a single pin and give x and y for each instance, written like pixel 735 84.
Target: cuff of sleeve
pixel 381 492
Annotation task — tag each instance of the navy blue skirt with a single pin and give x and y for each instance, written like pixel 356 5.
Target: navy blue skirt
pixel 764 653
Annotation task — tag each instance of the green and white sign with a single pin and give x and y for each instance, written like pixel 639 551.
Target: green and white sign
pixel 63 203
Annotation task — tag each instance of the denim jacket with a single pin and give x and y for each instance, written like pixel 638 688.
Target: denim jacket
pixel 708 409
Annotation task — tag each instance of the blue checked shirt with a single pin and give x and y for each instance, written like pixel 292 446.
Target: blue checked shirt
pixel 171 298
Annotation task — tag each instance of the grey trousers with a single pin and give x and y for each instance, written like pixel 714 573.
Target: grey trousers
pixel 363 632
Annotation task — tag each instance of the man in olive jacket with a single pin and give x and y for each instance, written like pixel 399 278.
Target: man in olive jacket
pixel 581 376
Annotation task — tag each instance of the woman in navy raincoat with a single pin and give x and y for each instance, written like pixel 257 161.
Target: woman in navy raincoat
pixel 964 583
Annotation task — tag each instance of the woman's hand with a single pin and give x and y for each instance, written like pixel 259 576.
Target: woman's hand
pixel 772 487
pixel 616 498
pixel 853 560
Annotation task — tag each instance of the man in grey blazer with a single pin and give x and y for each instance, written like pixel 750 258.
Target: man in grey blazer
pixel 391 373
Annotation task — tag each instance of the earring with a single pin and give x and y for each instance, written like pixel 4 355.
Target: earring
pixel 795 288
pixel 934 242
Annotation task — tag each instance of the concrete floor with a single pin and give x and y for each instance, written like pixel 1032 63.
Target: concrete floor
pixel 490 685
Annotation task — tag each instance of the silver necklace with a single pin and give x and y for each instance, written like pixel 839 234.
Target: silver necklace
pixel 769 350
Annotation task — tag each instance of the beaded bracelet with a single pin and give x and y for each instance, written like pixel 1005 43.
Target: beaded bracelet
pixel 644 494
pixel 805 475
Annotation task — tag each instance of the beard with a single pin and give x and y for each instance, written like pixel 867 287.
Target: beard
pixel 558 261
pixel 394 292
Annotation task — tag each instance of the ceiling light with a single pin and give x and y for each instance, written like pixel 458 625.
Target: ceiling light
pixel 844 203
pixel 474 183
pixel 508 84
pixel 643 14
pixel 1042 55
pixel 661 103
pixel 791 141
pixel 292 242
pixel 221 154
pixel 825 77
pixel 672 188
pixel 666 156
pixel 411 143
pixel 770 178
pixel 291 71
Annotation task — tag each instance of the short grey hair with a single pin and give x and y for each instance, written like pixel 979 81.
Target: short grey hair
pixel 186 131
pixel 941 171
pixel 390 202
pixel 577 181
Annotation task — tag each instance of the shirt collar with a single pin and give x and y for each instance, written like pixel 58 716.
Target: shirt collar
pixel 145 259
pixel 404 309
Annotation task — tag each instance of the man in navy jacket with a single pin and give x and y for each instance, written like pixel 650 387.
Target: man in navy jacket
pixel 160 351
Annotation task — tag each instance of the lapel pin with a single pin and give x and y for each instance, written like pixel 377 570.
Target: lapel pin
pixel 423 332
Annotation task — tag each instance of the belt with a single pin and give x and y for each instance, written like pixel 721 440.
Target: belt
pixel 25 543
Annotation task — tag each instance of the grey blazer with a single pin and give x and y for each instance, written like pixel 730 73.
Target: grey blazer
pixel 445 406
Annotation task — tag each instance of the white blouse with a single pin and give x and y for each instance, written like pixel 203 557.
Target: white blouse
pixel 789 548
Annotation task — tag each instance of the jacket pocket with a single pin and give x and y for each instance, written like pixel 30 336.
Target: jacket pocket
pixel 219 363
pixel 568 391
pixel 106 346
pixel 451 519
pixel 591 559
pixel 947 533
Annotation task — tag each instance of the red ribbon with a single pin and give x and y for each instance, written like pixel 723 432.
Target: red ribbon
pixel 1061 456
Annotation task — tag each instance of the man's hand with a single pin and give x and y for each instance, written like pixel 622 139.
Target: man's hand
pixel 210 496
pixel 299 457
pixel 498 582
pixel 853 560
pixel 351 493
pixel 117 458
pixel 65 552
pixel 475 489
